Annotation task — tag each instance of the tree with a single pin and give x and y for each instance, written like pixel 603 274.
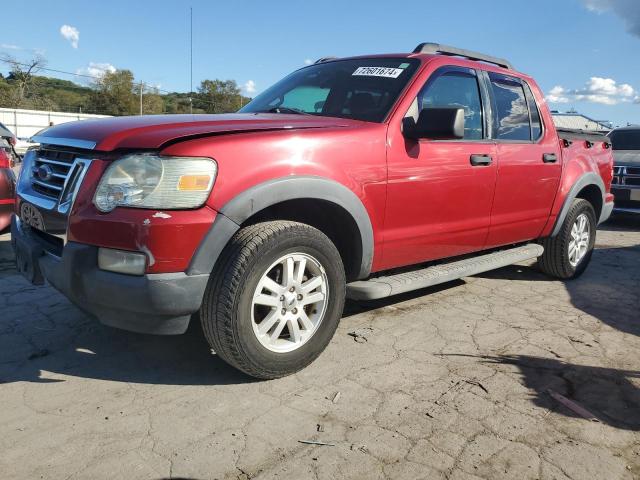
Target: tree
pixel 21 78
pixel 218 96
pixel 152 102
pixel 113 94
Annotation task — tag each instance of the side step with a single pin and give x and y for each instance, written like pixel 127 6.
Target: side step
pixel 381 287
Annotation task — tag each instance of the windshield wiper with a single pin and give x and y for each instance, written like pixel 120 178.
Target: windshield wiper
pixel 285 110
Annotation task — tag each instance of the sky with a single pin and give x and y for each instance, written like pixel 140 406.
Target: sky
pixel 583 53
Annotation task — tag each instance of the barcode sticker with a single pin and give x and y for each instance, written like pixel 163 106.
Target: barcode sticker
pixel 378 72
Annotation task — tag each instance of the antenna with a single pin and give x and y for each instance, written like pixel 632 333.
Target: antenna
pixel 191 59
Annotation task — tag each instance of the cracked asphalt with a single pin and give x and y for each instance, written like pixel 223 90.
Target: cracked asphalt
pixel 453 382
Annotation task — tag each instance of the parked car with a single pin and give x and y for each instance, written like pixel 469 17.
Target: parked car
pixel 22 145
pixel 626 176
pixel 7 143
pixel 7 190
pixel 363 177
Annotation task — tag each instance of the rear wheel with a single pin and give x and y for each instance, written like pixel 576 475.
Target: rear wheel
pixel 568 254
pixel 275 298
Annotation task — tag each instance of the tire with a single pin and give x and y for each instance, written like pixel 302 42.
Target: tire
pixel 231 307
pixel 556 260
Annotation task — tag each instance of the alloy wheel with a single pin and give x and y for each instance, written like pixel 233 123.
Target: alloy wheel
pixel 289 302
pixel 580 239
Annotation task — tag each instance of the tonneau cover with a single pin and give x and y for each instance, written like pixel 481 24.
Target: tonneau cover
pixel 573 135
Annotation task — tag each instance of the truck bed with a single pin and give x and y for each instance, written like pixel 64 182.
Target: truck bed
pixel 575 135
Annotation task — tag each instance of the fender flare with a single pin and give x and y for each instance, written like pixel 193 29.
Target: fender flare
pixel 269 193
pixel 589 178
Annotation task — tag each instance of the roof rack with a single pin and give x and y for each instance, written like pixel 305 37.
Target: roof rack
pixel 436 48
pixel 325 59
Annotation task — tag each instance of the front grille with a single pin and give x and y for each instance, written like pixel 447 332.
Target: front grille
pixel 50 171
pixel 626 176
pixel 635 181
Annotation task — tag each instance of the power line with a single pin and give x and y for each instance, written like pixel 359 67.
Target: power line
pixel 94 77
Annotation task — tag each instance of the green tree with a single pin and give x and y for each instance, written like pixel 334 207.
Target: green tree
pixel 152 103
pixel 218 96
pixel 113 94
pixel 21 79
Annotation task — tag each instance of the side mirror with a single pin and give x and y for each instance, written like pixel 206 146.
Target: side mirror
pixel 435 123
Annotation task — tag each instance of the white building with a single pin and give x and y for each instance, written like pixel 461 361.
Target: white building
pixel 25 123
pixel 577 121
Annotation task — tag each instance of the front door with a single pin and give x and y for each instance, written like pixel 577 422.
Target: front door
pixel 440 192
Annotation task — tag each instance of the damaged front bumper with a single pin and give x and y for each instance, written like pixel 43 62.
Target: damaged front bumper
pixel 159 303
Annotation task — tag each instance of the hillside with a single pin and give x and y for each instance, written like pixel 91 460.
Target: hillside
pixel 115 93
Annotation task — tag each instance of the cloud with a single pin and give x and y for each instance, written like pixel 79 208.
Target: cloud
pixel 605 91
pixel 10 46
pixel 71 34
pixel 96 70
pixel 250 87
pixel 628 10
pixel 557 95
pixel 308 61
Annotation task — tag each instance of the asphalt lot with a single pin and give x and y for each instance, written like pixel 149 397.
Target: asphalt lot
pixel 454 382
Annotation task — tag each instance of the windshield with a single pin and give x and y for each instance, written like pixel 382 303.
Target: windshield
pixel 625 139
pixel 362 89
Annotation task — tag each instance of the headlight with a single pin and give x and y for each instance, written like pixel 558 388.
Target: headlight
pixel 152 181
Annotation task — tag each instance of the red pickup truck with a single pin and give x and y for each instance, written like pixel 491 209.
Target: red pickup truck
pixel 361 177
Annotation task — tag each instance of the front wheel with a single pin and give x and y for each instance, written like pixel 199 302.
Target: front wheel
pixel 568 254
pixel 275 298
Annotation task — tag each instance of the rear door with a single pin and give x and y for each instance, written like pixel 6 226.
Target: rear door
pixel 529 162
pixel 440 191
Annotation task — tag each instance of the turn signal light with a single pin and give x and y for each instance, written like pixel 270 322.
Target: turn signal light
pixel 194 183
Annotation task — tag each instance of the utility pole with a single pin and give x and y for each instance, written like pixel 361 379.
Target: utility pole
pixel 191 59
pixel 141 89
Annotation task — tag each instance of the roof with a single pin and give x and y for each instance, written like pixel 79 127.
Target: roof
pixel 430 50
pixel 628 127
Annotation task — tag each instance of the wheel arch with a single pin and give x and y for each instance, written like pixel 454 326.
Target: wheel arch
pixel 323 203
pixel 589 187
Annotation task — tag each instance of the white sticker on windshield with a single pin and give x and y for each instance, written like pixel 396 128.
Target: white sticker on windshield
pixel 377 72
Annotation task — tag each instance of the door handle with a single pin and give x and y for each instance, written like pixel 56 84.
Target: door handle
pixel 477 160
pixel 549 158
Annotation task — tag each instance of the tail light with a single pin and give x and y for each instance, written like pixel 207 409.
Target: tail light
pixel 5 160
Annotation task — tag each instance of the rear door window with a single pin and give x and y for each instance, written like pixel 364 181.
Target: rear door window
pixel 512 113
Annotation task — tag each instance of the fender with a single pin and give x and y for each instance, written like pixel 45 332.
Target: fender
pixel 589 178
pixel 269 193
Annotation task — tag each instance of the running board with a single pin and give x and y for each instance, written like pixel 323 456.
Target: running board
pixel 381 287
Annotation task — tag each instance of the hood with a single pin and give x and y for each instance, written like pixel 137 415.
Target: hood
pixel 154 131
pixel 626 157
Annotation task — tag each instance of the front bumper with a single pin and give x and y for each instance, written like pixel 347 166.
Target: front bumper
pixel 154 303
pixel 627 199
pixel 6 211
